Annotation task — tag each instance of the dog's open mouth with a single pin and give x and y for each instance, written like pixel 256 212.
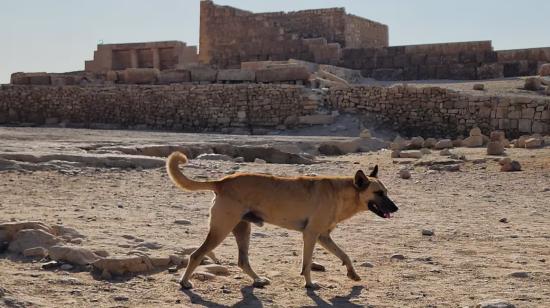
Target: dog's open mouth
pixel 374 208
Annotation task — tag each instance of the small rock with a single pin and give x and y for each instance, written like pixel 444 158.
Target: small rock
pixel 503 220
pixel 508 165
pixel 410 154
pixel 444 144
pixel 36 252
pixel 479 87
pixel 203 276
pixel 149 245
pixel 66 267
pixel 416 143
pixel 317 267
pixel 520 274
pixel 475 131
pixel 259 161
pixel 50 265
pixel 404 174
pixel 215 157
pixel 430 142
pixel 473 141
pixel 367 264
pixel 495 148
pixel 425 151
pixel 239 159
pixel 173 269
pixel 532 84
pixel 427 232
pixel 495 303
pixel 218 270
pixel 184 222
pixel 445 152
pixel 395 153
pixel 397 257
pixel 121 298
pixel 497 135
pixel 533 143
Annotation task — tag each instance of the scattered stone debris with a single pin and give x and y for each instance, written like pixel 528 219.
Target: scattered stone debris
pixel 367 264
pixel 509 165
pixel 216 157
pixel 520 274
pixel 397 257
pixel 184 222
pixel 259 161
pixel 479 87
pixel 427 232
pixel 503 220
pixel 404 174
pixel 532 84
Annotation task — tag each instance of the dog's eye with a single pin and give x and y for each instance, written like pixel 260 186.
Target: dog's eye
pixel 380 193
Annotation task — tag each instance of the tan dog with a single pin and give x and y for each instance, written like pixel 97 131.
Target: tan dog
pixel 312 205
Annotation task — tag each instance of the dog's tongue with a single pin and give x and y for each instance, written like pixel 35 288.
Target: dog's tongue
pixel 387 215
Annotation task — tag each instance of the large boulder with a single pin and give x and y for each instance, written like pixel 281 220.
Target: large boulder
pixel 10 229
pixel 544 70
pixel 72 254
pixel 473 141
pixel 495 148
pixel 443 144
pixel 533 143
pixel 141 75
pixel 26 239
pixel 124 264
pixel 532 84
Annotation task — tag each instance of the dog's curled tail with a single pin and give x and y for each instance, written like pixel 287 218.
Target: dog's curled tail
pixel 172 166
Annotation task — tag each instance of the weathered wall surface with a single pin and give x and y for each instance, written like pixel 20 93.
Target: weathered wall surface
pixel 462 60
pixel 429 112
pixel 442 112
pixel 523 62
pixel 229 36
pixel 364 33
pixel 181 107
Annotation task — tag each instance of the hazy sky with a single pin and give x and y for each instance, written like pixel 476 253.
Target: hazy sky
pixel 58 35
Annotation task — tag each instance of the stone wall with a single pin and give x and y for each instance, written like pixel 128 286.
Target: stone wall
pixel 437 112
pixel 229 36
pixel 178 107
pixel 461 60
pixel 523 62
pixel 429 112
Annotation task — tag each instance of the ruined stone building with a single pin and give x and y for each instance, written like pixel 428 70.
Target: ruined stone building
pixel 229 36
pixel 159 55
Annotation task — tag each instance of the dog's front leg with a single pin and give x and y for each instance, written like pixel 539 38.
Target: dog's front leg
pixel 326 241
pixel 310 238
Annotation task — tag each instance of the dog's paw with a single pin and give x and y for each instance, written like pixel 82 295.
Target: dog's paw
pixel 353 276
pixel 186 284
pixel 261 282
pixel 313 286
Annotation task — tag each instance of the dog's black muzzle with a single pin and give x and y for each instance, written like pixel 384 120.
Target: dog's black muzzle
pixel 382 206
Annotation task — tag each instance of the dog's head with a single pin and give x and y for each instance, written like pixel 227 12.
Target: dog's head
pixel 373 194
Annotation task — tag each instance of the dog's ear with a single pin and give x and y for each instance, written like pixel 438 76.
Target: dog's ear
pixel 374 172
pixel 360 181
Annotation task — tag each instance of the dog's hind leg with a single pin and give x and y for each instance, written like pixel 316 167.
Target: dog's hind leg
pixel 242 236
pixel 310 238
pixel 326 241
pixel 222 221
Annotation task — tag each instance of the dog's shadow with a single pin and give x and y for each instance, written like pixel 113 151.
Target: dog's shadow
pixel 248 300
pixel 337 301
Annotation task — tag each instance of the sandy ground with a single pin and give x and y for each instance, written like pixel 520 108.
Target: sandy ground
pixel 469 258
